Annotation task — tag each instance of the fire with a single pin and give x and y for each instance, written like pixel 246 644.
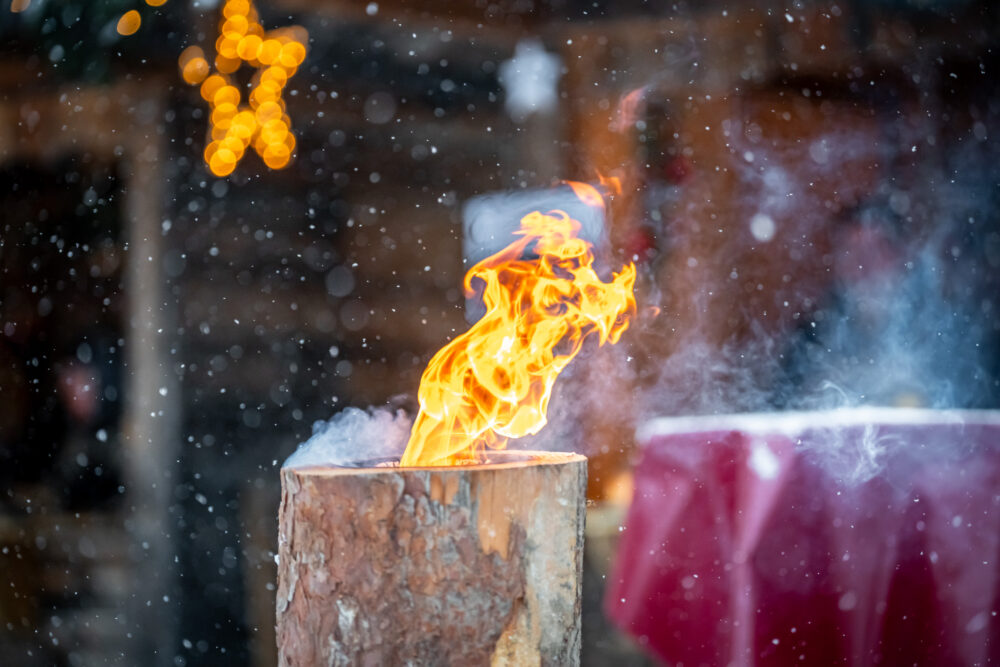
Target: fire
pixel 494 381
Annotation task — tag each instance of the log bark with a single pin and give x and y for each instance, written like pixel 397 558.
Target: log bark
pixel 467 565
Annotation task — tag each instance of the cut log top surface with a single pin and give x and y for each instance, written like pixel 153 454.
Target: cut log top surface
pixel 496 460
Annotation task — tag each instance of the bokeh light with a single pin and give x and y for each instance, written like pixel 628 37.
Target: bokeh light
pixel 129 23
pixel 264 125
pixel 194 67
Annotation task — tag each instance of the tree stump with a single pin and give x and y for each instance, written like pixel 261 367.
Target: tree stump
pixel 464 565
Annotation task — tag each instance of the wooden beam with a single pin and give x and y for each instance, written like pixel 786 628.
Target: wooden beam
pixel 122 123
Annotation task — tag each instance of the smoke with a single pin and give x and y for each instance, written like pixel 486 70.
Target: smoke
pixel 804 265
pixel 812 258
pixel 630 109
pixel 354 437
pixel 854 444
pixel 490 221
pixel 855 458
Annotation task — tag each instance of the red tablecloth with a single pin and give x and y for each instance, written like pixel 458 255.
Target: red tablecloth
pixel 850 537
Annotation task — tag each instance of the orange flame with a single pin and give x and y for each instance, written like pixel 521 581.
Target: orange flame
pixel 494 381
pixel 630 109
pixel 590 195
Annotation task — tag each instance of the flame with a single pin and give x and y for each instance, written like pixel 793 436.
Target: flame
pixel 590 195
pixel 494 381
pixel 631 107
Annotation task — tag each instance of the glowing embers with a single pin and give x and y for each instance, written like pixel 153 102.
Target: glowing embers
pixel 494 381
pixel 264 123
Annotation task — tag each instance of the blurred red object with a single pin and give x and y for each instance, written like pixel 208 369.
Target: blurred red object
pixel 850 537
pixel 679 170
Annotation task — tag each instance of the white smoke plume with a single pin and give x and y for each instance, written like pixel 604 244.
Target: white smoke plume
pixel 354 437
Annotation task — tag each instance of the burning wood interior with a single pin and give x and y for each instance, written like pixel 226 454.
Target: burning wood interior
pixel 546 332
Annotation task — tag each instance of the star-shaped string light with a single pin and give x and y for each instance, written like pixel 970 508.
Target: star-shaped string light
pixel 233 126
pixel 264 124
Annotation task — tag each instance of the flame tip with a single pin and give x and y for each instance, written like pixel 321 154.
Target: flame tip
pixel 494 381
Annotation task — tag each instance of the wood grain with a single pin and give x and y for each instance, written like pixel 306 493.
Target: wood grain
pixel 468 565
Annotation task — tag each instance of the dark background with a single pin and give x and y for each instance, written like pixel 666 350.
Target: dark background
pixel 167 337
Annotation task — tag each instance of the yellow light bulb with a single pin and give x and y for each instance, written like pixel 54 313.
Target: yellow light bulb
pixel 129 23
pixel 210 150
pixel 223 162
pixel 235 26
pixel 266 91
pixel 273 131
pixel 222 115
pixel 292 54
pixel 248 47
pixel 228 46
pixel 227 94
pixel 232 144
pixel 236 8
pixel 227 65
pixel 211 86
pixel 195 71
pixel 268 111
pixel 276 156
pixel 275 75
pixel 270 49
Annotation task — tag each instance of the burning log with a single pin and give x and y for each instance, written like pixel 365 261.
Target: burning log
pixel 461 565
pixel 494 381
pixel 457 556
